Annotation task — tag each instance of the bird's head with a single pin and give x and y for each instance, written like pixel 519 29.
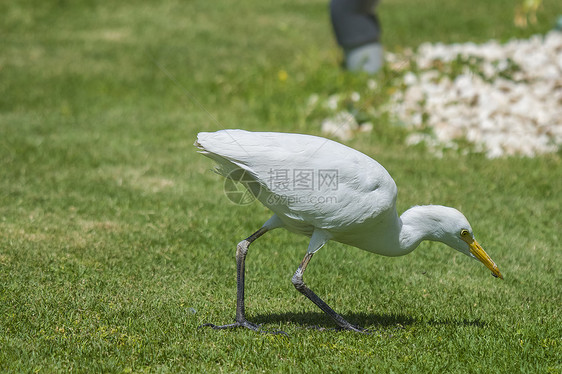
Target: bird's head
pixel 455 231
pixel 446 225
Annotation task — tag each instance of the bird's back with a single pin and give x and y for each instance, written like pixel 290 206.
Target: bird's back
pixel 307 181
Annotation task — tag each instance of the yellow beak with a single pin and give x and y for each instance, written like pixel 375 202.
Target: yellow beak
pixel 483 257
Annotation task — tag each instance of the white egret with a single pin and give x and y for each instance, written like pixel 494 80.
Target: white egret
pixel 328 191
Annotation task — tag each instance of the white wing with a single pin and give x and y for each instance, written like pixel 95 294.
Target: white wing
pixel 307 181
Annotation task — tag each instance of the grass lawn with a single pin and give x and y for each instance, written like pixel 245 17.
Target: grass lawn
pixel 117 242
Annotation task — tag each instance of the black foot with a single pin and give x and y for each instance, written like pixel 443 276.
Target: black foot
pixel 351 327
pixel 339 328
pixel 245 324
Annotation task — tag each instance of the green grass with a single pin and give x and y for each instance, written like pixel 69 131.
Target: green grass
pixel 116 240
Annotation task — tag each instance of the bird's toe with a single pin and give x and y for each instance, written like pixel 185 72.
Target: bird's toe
pixel 351 327
pixel 245 324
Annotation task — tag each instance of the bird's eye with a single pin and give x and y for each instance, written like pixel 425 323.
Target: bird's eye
pixel 464 233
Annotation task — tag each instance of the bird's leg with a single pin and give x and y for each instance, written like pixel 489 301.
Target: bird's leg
pixel 303 288
pixel 241 251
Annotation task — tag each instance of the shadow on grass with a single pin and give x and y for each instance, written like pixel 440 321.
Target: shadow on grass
pixel 366 320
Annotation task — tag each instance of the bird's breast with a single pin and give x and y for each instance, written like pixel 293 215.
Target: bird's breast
pixel 378 235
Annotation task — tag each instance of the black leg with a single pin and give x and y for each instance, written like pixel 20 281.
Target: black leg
pixel 299 285
pixel 241 321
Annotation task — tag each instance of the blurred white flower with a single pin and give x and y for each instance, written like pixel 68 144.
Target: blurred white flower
pixel 521 115
pixel 342 126
pixel 333 101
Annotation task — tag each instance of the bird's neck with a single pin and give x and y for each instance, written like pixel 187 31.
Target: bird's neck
pixel 419 223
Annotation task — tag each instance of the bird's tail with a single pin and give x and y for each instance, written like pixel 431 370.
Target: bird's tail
pixel 219 147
